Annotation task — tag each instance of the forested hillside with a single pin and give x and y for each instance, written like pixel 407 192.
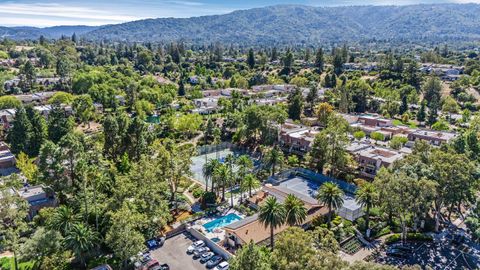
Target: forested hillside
pixel 303 24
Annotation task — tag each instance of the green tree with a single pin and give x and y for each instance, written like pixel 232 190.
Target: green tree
pixel 13 211
pixel 28 76
pixel 83 108
pixel 39 131
pixel 251 59
pixel 58 124
pixel 296 213
pixel 64 67
pixel 250 257
pixel 20 134
pixel 330 195
pixel 222 176
pixel 42 244
pixel 123 236
pixel 422 114
pixel 208 171
pixel 288 62
pixel 323 112
pixel 377 136
pixel 295 105
pixel 431 91
pixel 9 102
pixel 272 214
pixel 63 220
pixel 61 97
pixel 81 239
pixel 273 158
pixel 367 197
pixel 250 182
pixel 319 60
pixel 358 135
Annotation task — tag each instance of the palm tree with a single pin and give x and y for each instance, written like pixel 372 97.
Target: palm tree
pixel 272 214
pixel 222 175
pixel 296 213
pixel 367 197
pixel 273 158
pixel 245 164
pixel 332 196
pixel 229 160
pixel 208 171
pixel 63 219
pixel 81 239
pixel 250 182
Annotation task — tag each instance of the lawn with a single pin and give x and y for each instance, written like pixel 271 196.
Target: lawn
pixel 410 124
pixel 7 263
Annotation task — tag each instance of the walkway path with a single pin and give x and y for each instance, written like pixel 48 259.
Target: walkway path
pixel 365 251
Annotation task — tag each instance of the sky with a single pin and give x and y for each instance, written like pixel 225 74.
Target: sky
pixel 43 13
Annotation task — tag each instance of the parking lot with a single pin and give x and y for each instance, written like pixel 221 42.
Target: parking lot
pixel 436 256
pixel 174 254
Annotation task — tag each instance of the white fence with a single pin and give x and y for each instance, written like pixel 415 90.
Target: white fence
pixel 212 245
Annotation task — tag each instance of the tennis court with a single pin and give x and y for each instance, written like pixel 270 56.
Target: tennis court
pixel 350 210
pixel 199 161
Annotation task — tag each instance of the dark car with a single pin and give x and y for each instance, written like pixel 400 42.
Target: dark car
pixel 395 252
pixel 161 267
pixel 152 244
pixel 214 261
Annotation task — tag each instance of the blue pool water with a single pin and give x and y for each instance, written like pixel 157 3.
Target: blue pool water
pixel 221 222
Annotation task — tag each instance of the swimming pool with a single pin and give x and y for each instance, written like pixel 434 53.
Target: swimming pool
pixel 221 222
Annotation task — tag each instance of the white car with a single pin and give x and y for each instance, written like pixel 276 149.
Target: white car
pixel 206 257
pixel 222 266
pixel 194 246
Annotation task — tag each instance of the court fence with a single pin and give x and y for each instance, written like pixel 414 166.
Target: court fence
pixel 311 175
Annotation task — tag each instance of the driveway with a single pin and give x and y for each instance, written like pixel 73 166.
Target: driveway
pixel 174 254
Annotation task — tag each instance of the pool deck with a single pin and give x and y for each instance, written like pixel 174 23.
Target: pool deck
pixel 218 232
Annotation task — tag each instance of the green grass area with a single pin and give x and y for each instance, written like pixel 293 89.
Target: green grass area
pixel 8 263
pixel 410 124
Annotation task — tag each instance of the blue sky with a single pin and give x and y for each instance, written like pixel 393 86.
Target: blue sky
pixel 98 12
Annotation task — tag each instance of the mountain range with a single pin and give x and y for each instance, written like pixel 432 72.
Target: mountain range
pixel 288 24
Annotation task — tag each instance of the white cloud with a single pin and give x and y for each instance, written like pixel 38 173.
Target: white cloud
pixel 45 14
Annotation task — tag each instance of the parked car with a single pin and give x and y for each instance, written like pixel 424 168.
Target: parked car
pixel 395 252
pixel 145 257
pixel 406 249
pixel 214 261
pixel 152 264
pixel 199 251
pixel 161 267
pixel 152 244
pixel 206 257
pixel 161 240
pixel 194 246
pixel 222 266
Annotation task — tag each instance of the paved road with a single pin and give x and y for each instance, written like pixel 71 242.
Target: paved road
pixel 174 254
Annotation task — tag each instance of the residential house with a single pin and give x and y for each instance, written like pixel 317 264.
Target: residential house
pixel 7 159
pixel 432 136
pixel 297 138
pixel 371 158
pixel 38 197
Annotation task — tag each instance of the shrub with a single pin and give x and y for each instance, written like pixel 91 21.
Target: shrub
pixel 209 197
pixel 198 192
pixel 392 238
pixel 359 135
pixel 377 136
pixel 410 236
